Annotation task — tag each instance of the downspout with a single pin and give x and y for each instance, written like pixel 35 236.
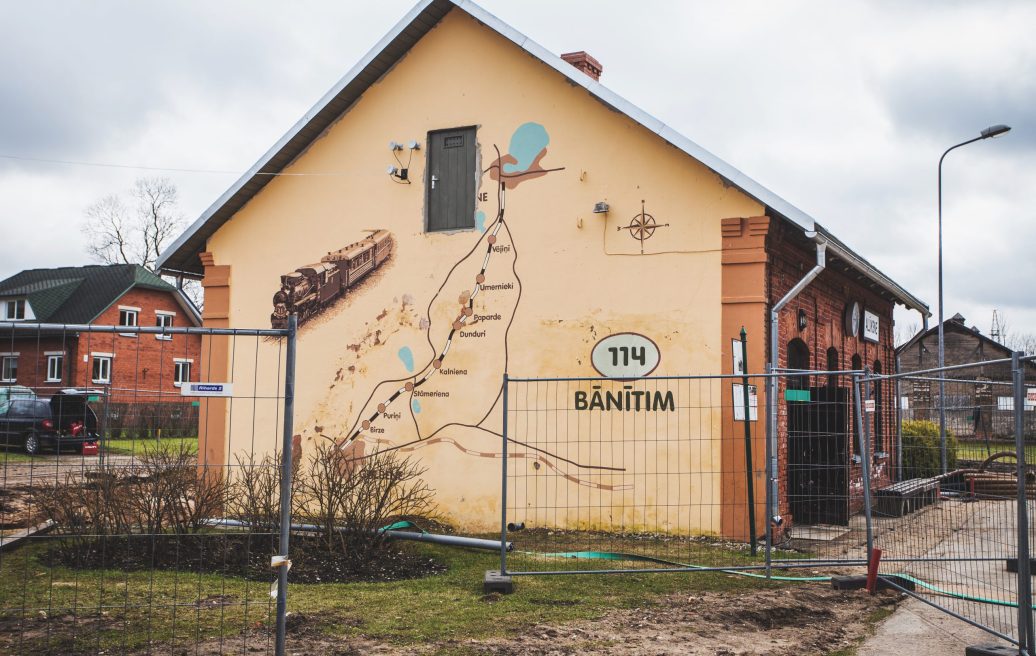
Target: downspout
pixel 771 442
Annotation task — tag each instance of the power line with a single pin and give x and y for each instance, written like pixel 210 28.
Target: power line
pixel 170 169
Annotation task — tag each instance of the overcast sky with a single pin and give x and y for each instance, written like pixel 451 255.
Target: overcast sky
pixel 842 108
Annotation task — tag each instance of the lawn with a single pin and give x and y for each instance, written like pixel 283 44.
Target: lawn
pixel 51 609
pixel 122 447
pixel 977 450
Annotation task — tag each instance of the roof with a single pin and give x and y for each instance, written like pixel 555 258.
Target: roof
pixel 182 255
pixel 77 295
pixel 956 324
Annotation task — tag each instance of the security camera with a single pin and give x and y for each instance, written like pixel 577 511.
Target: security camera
pixel 392 170
pixel 413 145
pixel 395 146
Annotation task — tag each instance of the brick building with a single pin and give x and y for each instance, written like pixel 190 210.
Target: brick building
pixel 980 409
pixel 139 373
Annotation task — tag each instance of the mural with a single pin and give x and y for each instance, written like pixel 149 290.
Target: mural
pixel 410 412
pixel 642 226
pixel 312 288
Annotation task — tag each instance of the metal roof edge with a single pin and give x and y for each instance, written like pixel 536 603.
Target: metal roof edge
pixel 857 262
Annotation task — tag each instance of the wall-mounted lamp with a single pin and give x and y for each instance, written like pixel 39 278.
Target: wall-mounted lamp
pixel 395 146
pixel 803 321
pixel 398 173
pixel 601 207
pixel 413 145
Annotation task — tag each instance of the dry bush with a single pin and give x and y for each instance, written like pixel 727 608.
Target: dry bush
pixel 352 500
pixel 162 494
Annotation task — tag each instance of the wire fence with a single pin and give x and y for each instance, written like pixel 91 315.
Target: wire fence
pixel 123 448
pixel 664 474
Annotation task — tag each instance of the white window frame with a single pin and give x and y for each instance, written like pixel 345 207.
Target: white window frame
pixel 101 357
pixel 161 316
pixel 4 358
pixel 51 357
pixel 129 311
pixel 179 364
pixel 26 312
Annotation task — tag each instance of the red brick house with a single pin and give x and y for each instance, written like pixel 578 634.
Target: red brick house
pixel 136 371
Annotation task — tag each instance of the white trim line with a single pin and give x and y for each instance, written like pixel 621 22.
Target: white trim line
pixel 53 353
pixel 129 307
pixel 12 354
pixel 98 354
pixel 167 313
pixel 187 360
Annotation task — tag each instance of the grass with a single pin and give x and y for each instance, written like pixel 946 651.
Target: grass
pixel 122 447
pixel 872 620
pixel 976 449
pixel 59 609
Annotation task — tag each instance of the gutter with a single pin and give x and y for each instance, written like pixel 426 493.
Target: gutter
pixel 771 397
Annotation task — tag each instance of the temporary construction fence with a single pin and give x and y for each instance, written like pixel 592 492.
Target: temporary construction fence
pixel 123 443
pixel 833 477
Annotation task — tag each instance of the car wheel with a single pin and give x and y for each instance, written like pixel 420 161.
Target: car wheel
pixel 32 444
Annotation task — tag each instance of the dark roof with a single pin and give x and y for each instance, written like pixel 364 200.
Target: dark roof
pixel 956 324
pixel 78 295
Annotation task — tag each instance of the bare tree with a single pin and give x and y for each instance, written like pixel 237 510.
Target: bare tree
pixel 135 230
pixel 118 232
pixel 904 334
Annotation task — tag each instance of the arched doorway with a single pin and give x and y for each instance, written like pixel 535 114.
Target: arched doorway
pixel 818 440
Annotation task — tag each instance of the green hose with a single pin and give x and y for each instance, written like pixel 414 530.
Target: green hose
pixel 613 555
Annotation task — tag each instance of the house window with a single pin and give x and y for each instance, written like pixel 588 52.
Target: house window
pixel 102 369
pixel 181 372
pixel 164 320
pixel 14 310
pixel 128 317
pixel 9 370
pixel 55 365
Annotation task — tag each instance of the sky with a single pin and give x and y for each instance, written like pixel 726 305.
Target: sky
pixel 843 109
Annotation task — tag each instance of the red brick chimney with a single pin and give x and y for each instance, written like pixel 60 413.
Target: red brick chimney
pixel 585 63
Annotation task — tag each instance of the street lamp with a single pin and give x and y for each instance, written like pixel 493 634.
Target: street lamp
pixel 991 131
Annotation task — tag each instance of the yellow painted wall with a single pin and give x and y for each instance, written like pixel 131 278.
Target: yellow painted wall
pixel 578 284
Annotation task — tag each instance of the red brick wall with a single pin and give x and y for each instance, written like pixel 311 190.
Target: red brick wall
pixel 32 353
pixel 824 302
pixel 143 365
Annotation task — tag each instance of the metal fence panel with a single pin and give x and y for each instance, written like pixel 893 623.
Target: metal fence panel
pixel 953 528
pixel 117 547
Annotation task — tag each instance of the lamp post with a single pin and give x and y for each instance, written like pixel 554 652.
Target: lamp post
pixel 992 131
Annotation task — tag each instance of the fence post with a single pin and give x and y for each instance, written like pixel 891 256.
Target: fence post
pixel 286 473
pixel 503 485
pixel 863 436
pixel 771 464
pixel 749 473
pixel 899 425
pixel 1025 628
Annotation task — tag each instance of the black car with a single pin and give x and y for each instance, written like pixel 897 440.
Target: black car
pixel 63 421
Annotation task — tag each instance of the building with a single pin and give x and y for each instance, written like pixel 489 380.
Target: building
pixel 137 371
pixel 982 408
pixel 529 212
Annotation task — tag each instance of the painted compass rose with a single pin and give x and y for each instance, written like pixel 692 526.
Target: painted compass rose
pixel 643 226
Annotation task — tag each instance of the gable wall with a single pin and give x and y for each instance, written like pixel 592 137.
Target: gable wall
pixel 581 277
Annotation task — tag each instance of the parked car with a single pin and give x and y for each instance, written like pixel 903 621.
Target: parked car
pixel 64 421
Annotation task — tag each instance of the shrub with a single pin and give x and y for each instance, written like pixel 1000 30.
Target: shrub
pixel 922 450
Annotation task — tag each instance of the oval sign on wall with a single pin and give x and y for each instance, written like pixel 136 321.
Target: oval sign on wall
pixel 625 355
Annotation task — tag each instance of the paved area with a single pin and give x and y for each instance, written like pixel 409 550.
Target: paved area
pixel 952 530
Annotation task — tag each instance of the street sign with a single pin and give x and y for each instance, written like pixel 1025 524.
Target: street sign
pixel 207 389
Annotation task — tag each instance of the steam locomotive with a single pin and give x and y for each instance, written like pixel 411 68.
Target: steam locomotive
pixel 310 288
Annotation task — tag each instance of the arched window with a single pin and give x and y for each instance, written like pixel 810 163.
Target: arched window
pixel 798 358
pixel 832 365
pixel 857 363
pixel 879 414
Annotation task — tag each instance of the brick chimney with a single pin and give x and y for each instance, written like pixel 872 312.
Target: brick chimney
pixel 585 63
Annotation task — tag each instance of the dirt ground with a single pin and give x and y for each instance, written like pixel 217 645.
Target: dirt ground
pixel 806 619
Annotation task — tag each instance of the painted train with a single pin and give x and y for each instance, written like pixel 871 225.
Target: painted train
pixel 310 288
